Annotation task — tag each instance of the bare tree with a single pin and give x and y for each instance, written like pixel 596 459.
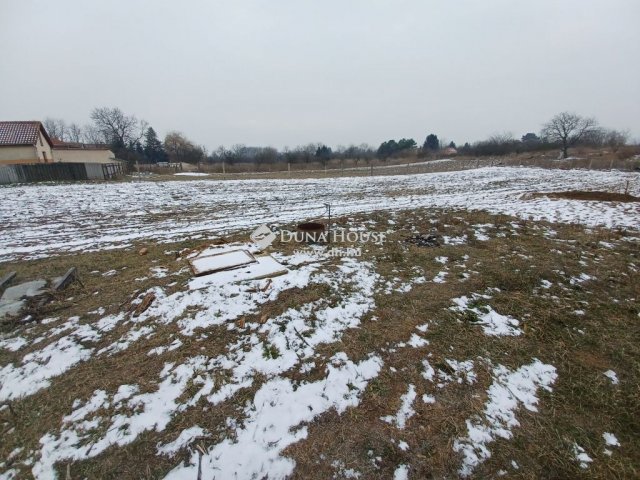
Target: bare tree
pixel 91 134
pixel 56 128
pixel 116 127
pixel 265 155
pixel 615 139
pixel 75 133
pixel 568 129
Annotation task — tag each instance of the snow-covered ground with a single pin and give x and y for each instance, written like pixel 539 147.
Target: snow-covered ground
pixel 279 358
pixel 41 220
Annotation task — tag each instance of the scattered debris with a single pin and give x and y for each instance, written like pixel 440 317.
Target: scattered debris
pixel 145 304
pixel 425 240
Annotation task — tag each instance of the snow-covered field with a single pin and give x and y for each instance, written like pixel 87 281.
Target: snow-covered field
pixel 281 359
pixel 41 220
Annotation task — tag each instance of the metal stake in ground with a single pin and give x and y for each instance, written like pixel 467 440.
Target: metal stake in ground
pixel 328 207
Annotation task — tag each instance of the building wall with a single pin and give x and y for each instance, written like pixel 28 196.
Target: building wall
pixel 83 156
pixel 19 154
pixel 43 149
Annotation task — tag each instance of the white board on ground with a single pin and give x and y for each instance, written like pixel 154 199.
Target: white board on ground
pixel 265 266
pixel 221 261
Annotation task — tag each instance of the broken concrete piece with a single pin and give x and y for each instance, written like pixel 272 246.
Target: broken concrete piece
pixel 11 309
pixel 59 283
pixel 13 298
pixel 24 290
pixel 6 280
pixel 221 261
pixel 265 267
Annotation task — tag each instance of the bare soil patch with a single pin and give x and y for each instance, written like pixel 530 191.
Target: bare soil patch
pixel 590 196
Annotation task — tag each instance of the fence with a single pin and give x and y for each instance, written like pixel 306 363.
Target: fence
pixel 56 172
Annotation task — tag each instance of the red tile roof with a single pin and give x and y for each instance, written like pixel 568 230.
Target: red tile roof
pixel 21 133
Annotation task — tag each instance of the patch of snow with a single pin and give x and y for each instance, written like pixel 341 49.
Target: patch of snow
pixel 461 240
pixel 82 439
pixel 429 372
pixel 401 473
pixel 275 420
pixel 177 343
pixel 13 344
pixel 581 456
pixel 492 322
pixel 406 410
pixel 610 440
pixel 416 341
pixel 37 368
pixel 185 437
pixel 611 375
pixel 159 272
pixel 508 391
pixel 440 277
pixel 460 371
pixel 580 279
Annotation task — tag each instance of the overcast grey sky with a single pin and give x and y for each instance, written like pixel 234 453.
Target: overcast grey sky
pixel 286 72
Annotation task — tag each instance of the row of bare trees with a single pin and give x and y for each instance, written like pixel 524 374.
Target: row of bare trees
pixel 302 154
pixel 564 131
pixel 134 140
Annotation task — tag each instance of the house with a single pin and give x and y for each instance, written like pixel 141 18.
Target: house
pixel 24 142
pixel 450 151
pixel 68 152
pixel 29 143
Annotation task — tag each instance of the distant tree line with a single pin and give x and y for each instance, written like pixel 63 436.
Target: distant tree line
pixel 303 154
pixel 133 140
